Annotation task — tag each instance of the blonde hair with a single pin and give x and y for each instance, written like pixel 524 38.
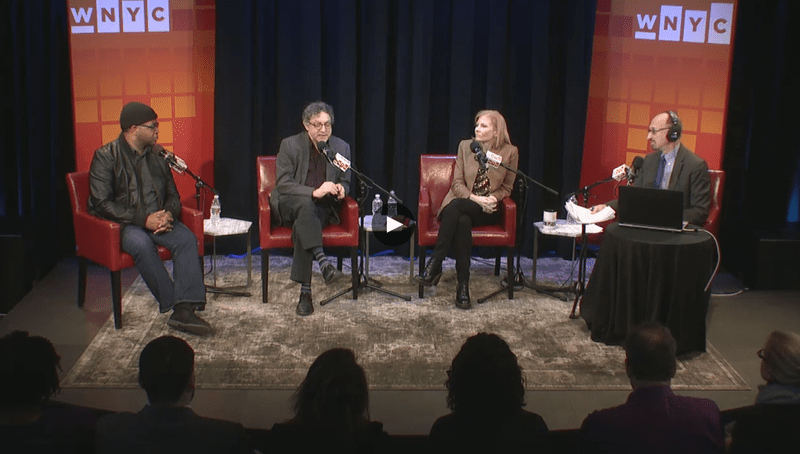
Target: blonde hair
pixel 782 355
pixel 499 124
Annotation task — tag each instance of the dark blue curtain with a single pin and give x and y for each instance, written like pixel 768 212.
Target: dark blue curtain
pixel 762 153
pixel 38 146
pixel 405 78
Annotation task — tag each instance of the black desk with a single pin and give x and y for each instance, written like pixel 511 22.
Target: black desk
pixel 648 275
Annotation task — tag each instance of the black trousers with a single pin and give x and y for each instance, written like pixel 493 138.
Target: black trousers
pixel 306 218
pixel 458 218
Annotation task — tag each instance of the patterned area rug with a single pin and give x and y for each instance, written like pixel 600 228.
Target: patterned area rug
pixel 400 344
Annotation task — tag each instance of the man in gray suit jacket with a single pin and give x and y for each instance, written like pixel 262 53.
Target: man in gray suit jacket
pixel 673 166
pixel 308 195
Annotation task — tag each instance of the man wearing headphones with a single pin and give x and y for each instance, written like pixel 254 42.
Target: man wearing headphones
pixel 673 166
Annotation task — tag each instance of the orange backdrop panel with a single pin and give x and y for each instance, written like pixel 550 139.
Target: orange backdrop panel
pixel 152 51
pixel 651 56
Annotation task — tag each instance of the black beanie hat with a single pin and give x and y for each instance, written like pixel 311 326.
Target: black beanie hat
pixel 136 113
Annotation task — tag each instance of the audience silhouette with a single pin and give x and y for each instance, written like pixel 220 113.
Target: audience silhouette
pixel 29 421
pixel 654 419
pixel 486 393
pixel 773 423
pixel 331 409
pixel 167 424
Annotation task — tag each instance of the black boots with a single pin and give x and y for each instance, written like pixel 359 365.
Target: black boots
pixel 184 319
pixel 462 295
pixel 304 306
pixel 432 273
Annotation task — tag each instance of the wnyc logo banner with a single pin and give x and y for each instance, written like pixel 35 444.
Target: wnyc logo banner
pixel 119 16
pixel 690 26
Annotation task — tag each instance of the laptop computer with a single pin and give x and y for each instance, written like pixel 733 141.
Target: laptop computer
pixel 650 208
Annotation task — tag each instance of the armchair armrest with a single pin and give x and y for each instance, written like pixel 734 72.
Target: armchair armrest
pixel 264 215
pixel 97 239
pixel 194 220
pixel 424 211
pixel 510 216
pixel 349 214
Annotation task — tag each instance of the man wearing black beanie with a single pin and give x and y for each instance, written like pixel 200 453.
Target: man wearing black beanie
pixel 131 185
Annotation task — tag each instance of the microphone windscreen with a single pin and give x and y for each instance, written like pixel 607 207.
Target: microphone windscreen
pixel 475 146
pixel 322 145
pixel 637 163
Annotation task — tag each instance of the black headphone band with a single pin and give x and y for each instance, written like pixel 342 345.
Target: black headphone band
pixel 676 128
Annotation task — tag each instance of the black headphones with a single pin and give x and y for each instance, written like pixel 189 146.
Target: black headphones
pixel 676 129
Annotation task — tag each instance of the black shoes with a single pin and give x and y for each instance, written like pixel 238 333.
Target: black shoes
pixel 184 319
pixel 432 273
pixel 331 274
pixel 304 307
pixel 462 296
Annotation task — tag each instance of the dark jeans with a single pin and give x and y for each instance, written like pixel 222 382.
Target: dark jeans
pixel 188 285
pixel 458 218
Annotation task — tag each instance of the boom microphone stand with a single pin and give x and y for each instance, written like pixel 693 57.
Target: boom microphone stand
pixel 363 280
pixel 518 278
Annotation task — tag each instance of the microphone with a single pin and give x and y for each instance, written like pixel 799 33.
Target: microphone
pixel 620 172
pixel 338 161
pixel 177 164
pixel 480 156
pixel 494 159
pixel 633 172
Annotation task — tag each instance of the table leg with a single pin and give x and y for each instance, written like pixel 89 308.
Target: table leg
pixel 411 255
pixel 214 258
pixel 535 254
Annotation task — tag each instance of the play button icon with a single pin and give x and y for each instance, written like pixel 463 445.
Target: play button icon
pixel 396 230
pixel 392 225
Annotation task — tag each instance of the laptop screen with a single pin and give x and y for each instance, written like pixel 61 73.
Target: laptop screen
pixel 660 209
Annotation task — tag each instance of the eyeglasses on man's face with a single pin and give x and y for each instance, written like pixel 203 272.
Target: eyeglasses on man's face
pixel 653 131
pixel 151 126
pixel 318 126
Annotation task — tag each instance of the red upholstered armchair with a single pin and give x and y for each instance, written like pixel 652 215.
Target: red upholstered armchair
pixel 98 240
pixel 435 178
pixel 717 185
pixel 342 235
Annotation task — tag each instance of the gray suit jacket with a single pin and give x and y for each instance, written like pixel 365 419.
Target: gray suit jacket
pixel 689 175
pixel 291 169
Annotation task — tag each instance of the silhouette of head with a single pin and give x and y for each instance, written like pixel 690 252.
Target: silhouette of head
pixel 333 396
pixel 781 358
pixel 166 369
pixel 650 353
pixel 29 368
pixel 485 378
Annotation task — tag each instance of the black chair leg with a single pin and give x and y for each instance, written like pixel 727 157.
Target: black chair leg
pixel 509 273
pixel 116 298
pixel 264 275
pixel 82 264
pixel 422 253
pixel 497 263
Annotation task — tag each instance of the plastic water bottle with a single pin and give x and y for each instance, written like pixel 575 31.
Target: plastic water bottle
pixel 391 205
pixel 377 204
pixel 216 210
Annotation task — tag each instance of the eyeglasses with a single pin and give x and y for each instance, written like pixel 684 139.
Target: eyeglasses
pixel 318 126
pixel 654 131
pixel 153 126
